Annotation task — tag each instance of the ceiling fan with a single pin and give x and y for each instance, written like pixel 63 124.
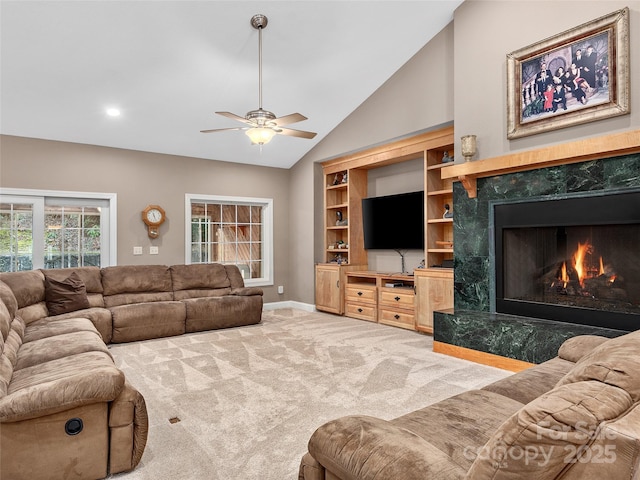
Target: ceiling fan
pixel 263 125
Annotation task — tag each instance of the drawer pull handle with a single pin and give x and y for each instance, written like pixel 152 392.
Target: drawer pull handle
pixel 360 294
pixel 397 299
pixel 396 316
pixel 359 310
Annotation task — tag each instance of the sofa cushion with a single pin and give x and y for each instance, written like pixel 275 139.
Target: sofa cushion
pixel 577 347
pixel 546 435
pixel 128 284
pixel 136 279
pixel 60 385
pixel 90 276
pixel 616 362
pixel 65 295
pixel 9 300
pixel 100 317
pixel 141 321
pixel 199 276
pixel 59 346
pixel 27 287
pixel 48 328
pixel 529 384
pixel 222 312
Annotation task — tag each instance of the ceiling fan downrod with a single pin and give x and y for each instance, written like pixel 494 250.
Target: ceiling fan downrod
pixel 259 21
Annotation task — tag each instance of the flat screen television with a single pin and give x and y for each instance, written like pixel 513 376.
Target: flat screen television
pixel 394 222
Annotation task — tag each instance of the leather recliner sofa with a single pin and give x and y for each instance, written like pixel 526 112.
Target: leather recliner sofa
pixel 66 411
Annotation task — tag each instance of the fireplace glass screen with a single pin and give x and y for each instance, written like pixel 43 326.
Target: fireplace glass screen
pixel 594 267
pixel 575 260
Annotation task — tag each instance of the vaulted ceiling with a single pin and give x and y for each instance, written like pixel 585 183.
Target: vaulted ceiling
pixel 169 65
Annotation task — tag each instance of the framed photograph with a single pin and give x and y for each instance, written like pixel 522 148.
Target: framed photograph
pixel 575 77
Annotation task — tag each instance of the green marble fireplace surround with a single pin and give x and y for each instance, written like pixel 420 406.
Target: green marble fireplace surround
pixel 471 324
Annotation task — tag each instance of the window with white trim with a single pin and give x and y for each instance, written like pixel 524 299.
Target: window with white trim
pixel 231 230
pixel 53 229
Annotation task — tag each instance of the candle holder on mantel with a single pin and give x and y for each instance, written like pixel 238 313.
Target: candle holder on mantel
pixel 468 147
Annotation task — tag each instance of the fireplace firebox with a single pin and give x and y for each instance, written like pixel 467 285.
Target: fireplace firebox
pixel 574 259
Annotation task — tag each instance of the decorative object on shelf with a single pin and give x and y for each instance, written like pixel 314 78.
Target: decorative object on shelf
pixel 447 212
pixel 340 222
pixel 153 216
pixel 446 158
pixel 339 259
pixel 595 54
pixel 345 177
pixel 468 147
pixel 338 178
pixel 444 243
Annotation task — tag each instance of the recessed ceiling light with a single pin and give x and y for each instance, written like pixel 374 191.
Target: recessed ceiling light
pixel 113 112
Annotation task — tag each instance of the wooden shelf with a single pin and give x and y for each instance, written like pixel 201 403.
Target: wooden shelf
pixel 440 220
pixel 435 193
pixel 573 152
pixel 338 227
pixel 438 166
pixel 338 206
pixel 440 250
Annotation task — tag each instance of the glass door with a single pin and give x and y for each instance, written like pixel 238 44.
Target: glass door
pixel 21 222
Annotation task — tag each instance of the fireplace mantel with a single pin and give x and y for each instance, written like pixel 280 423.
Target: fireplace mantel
pixel 579 151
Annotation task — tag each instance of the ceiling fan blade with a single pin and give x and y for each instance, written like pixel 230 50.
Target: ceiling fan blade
pixel 222 129
pixel 287 119
pixel 296 133
pixel 233 116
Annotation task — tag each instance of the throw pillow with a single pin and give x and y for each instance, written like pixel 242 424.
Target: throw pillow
pixel 64 296
pixel 615 362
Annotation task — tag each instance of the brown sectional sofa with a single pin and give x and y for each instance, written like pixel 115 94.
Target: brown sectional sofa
pixel 66 411
pixel 575 417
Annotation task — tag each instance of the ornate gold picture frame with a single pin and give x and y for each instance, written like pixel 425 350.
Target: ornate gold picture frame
pixel 575 77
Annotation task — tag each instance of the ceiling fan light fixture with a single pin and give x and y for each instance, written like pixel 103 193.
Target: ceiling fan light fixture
pixel 260 135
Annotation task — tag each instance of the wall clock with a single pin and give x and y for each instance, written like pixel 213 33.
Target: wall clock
pixel 153 216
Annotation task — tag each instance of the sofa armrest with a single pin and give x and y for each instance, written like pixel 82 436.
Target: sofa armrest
pixel 577 347
pixel 129 426
pixel 83 387
pixel 367 448
pixel 246 291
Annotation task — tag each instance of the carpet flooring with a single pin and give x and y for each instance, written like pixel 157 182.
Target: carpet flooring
pixel 241 403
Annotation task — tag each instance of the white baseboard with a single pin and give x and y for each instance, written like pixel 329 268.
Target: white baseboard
pixel 289 304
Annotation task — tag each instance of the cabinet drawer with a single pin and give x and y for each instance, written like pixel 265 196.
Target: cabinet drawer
pixel 364 294
pixel 361 311
pixel 396 296
pixel 397 318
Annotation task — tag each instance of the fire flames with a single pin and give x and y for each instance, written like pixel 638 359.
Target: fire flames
pixel 583 269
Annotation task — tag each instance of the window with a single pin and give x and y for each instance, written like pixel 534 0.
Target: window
pixel 49 229
pixel 231 230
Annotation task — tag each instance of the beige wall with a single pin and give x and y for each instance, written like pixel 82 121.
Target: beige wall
pixel 425 92
pixel 140 178
pixel 485 31
pixel 417 97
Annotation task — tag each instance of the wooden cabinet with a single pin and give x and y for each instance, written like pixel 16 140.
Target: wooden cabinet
pixel 434 291
pixel 381 297
pixel 330 281
pixel 361 300
pixel 364 294
pixel 328 292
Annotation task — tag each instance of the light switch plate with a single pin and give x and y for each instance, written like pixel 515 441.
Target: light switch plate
pixel 137 250
pixel 153 250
